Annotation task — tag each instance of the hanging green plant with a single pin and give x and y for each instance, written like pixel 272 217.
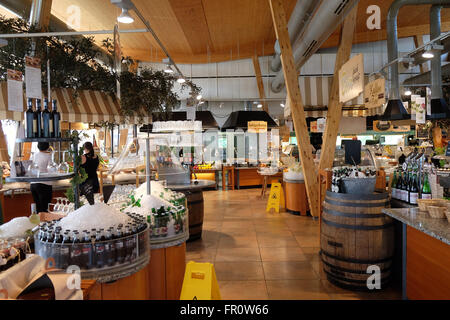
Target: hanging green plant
pixel 75 63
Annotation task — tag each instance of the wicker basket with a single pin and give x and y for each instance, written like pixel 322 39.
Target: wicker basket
pixel 437 212
pixel 423 203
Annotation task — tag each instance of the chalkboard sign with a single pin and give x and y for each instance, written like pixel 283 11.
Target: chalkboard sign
pixel 352 151
pixel 447 153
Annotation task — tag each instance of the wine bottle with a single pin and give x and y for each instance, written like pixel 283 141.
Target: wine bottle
pixel 38 118
pixel 404 192
pixel 56 120
pixel 46 120
pixel 51 125
pixel 29 119
pixel 426 189
pixel 394 186
pixel 414 190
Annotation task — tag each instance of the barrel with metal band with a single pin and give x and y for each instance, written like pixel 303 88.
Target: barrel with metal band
pixel 357 239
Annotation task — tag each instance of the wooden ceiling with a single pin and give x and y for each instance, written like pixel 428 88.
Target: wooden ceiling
pixel 191 30
pixel 200 31
pixel 412 21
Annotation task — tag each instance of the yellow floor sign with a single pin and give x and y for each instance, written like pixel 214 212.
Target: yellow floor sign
pixel 276 197
pixel 200 282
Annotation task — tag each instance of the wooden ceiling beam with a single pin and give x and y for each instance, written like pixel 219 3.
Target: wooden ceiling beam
pixel 418 42
pixel 259 82
pixel 298 113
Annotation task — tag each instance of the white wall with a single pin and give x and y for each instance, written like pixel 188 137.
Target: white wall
pixel 233 82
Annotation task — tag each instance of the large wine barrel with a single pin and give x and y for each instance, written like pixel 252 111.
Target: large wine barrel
pixel 196 209
pixel 354 235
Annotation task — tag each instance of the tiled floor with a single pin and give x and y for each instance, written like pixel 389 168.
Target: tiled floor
pixel 259 255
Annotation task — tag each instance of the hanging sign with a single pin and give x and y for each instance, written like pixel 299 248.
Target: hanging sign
pixel 374 93
pixel 15 90
pixel 257 126
pixel 33 77
pixel 321 122
pixel 421 110
pixel 351 79
pixel 313 126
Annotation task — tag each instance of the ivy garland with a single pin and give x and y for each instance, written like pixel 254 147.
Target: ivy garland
pixel 75 63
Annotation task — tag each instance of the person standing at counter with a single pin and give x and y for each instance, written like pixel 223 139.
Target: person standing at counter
pixel 42 192
pixel 90 163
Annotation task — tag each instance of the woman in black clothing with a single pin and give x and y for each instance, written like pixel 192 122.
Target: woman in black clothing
pixel 90 162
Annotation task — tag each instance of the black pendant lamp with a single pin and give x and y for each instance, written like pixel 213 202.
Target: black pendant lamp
pixel 395 110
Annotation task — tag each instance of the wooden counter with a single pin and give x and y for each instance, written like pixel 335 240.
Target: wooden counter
pixel 249 176
pixel 296 198
pixel 425 252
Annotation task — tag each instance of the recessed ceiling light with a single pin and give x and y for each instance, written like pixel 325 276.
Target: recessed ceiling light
pixel 125 17
pixel 181 80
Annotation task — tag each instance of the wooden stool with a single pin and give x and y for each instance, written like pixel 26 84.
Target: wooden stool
pixel 225 183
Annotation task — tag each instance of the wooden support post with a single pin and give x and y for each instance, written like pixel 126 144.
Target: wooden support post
pixel 298 112
pixel 418 42
pixel 3 146
pixel 334 113
pixel 259 81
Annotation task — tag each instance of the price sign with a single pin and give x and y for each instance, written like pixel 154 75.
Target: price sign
pixel 257 126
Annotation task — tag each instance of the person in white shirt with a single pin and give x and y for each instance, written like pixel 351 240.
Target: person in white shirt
pixel 42 192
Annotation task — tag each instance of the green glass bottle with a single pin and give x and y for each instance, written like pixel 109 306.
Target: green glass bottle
pixel 394 186
pixel 426 189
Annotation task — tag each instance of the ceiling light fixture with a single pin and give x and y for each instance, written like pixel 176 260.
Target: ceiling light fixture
pixel 282 105
pixel 125 17
pixel 181 80
pixel 408 92
pixel 199 97
pixel 428 54
pixel 168 69
pixel 259 106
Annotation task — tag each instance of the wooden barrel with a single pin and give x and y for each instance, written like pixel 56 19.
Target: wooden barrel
pixel 196 209
pixel 354 235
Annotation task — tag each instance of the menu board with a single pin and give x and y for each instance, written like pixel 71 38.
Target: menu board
pixel 257 126
pixel 374 93
pixel 15 90
pixel 351 78
pixel 33 77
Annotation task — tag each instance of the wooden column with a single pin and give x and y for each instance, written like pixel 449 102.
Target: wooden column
pixel 259 81
pixel 298 112
pixel 3 146
pixel 334 113
pixel 418 42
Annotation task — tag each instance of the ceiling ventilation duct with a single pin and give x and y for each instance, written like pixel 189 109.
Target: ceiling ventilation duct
pixel 303 11
pixel 326 19
pixel 439 108
pixel 395 109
